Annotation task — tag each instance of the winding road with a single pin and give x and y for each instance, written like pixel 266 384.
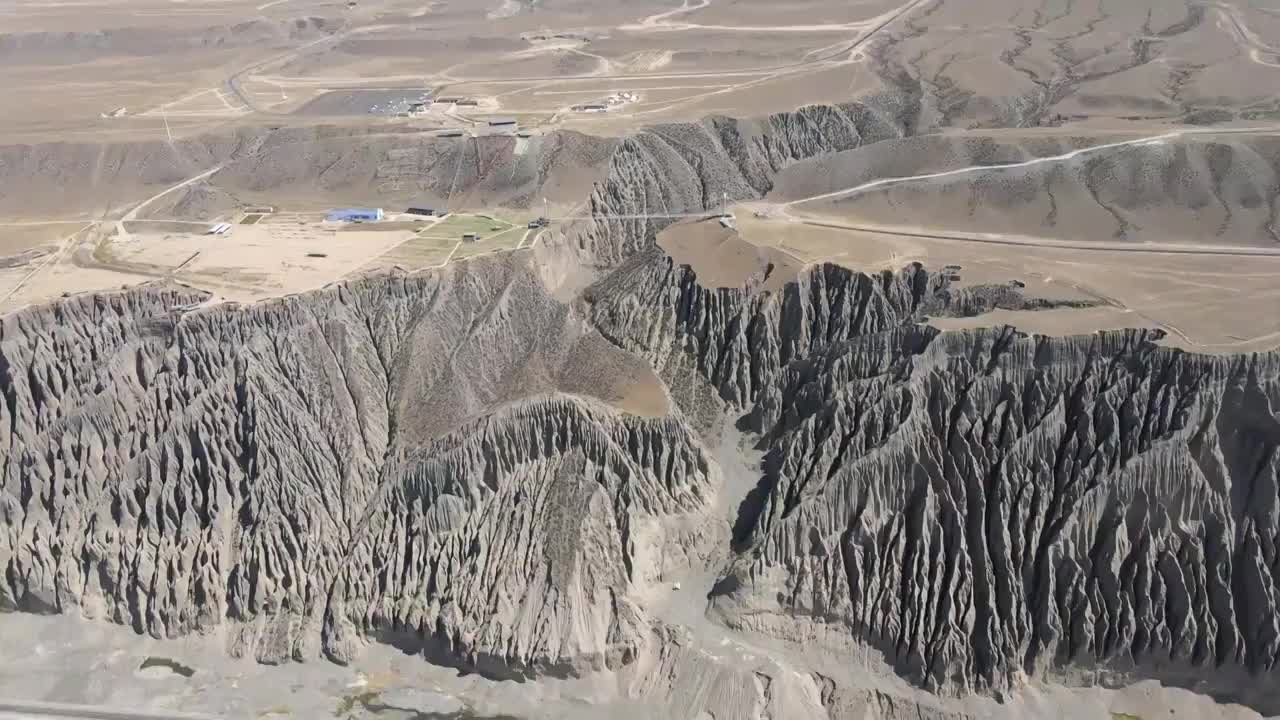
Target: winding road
pixel 132 215
pixel 1064 157
pixel 978 169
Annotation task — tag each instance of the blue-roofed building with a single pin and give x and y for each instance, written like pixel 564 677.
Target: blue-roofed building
pixel 355 215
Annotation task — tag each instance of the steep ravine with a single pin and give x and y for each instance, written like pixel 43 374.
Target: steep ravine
pixel 981 507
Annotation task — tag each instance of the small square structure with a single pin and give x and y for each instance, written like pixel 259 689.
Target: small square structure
pixel 355 215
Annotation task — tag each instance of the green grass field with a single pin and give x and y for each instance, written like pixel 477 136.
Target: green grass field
pixel 506 240
pixel 455 226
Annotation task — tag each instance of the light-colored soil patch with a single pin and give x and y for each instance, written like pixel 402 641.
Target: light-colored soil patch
pixel 15 239
pixel 721 258
pixel 283 253
pixel 161 249
pixel 865 251
pixel 55 280
pixel 595 367
pixel 417 253
pixel 256 260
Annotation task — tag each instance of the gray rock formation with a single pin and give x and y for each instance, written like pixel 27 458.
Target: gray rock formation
pixel 392 455
pixel 983 506
pixel 741 340
pixel 521 529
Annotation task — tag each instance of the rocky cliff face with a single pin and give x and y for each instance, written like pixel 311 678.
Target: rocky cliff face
pixel 526 530
pixel 985 506
pixel 318 469
pixel 741 340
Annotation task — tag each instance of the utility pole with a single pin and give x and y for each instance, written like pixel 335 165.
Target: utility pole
pixel 545 213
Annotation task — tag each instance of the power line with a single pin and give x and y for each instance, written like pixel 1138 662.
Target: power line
pixel 636 217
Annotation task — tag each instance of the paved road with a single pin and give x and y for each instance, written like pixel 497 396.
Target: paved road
pixel 133 214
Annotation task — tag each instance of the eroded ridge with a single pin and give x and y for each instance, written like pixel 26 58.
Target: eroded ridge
pixel 982 506
pixel 266 469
